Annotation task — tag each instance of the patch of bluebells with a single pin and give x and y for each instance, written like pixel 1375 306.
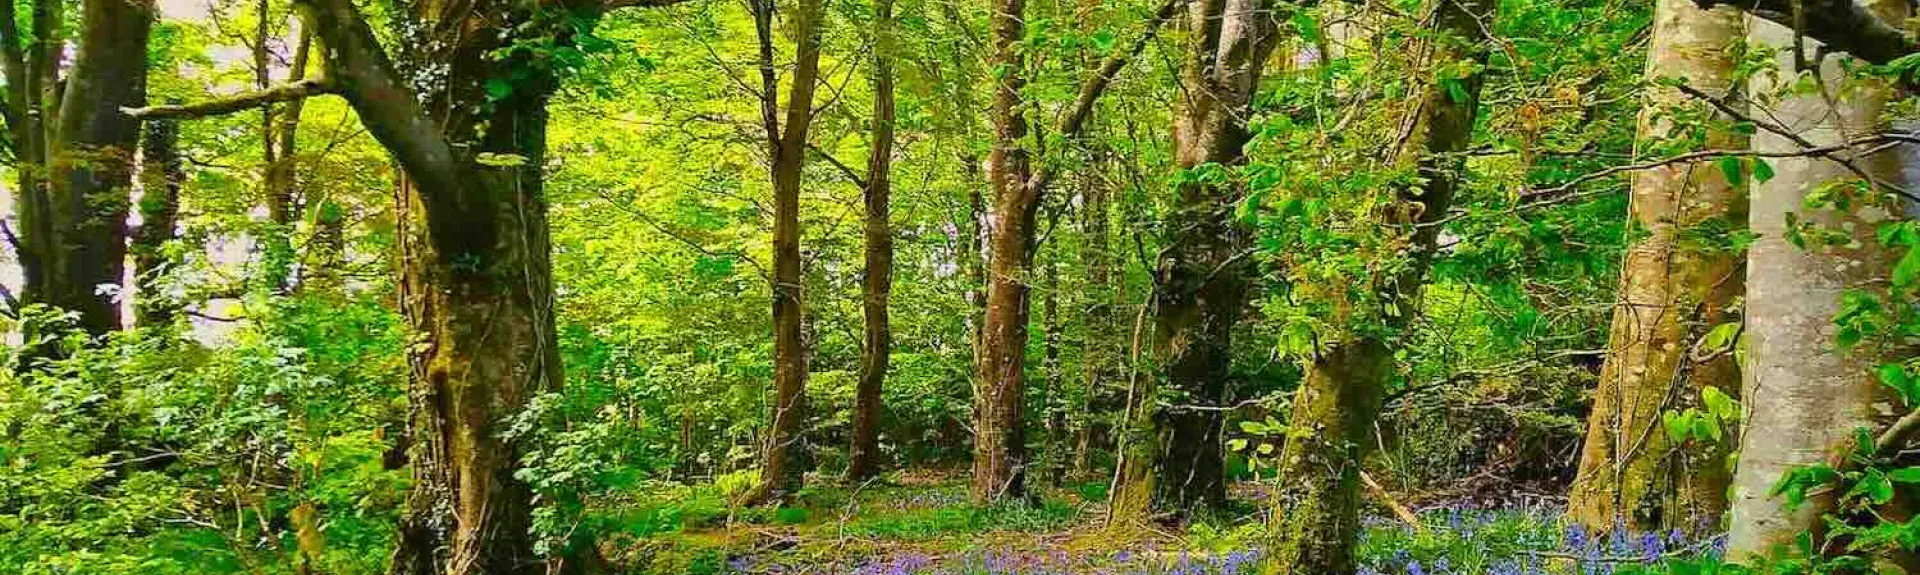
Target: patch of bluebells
pixel 1463 538
pixel 1239 562
pixel 1470 538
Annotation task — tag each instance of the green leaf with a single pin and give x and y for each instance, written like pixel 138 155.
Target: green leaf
pixel 1721 337
pixel 1677 426
pixel 498 89
pixel 1905 272
pixel 1895 376
pixel 1720 405
pixel 1762 171
pixel 1863 443
pixel 1305 24
pixel 1731 168
pixel 1905 475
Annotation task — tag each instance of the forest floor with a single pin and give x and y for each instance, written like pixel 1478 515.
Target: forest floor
pixel 922 523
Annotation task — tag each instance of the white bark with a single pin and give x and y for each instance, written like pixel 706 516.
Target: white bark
pixel 1804 396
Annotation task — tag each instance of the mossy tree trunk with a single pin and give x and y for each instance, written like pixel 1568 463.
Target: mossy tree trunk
pixel 1316 515
pixel 1100 339
pixel 1173 460
pixel 76 222
pixel 161 173
pixel 1678 281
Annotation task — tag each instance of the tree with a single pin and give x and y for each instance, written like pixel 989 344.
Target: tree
pixel 71 132
pixel 161 173
pixel 1682 279
pixel 999 461
pixel 786 462
pixel 1317 508
pixel 1174 460
pixel 1100 340
pixel 476 282
pixel 1806 391
pixel 877 282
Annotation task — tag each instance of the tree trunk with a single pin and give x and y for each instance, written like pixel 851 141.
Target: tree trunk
pixel 32 72
pixel 1805 397
pixel 1671 292
pixel 1173 459
pixel 863 456
pixel 476 279
pixel 1000 458
pixel 92 172
pixel 787 458
pixel 161 173
pixel 1317 508
pixel 282 188
pixel 1054 455
pixel 1100 349
pixel 1000 451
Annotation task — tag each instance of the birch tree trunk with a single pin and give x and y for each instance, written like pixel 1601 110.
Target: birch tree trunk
pixel 1804 396
pixel 1677 282
pixel 1317 508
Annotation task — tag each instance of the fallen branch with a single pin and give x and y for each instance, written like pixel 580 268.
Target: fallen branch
pixel 238 102
pixel 1401 511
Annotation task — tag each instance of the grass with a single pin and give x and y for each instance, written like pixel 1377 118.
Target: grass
pixel 923 526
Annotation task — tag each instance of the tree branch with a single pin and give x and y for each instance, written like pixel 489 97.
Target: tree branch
pixel 1095 86
pixel 237 103
pixel 1841 25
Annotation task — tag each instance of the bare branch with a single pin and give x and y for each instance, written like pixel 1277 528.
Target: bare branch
pixel 238 103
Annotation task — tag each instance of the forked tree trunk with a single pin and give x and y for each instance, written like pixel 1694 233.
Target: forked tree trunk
pixel 1317 508
pixel 477 291
pixel 1173 459
pixel 787 458
pixel 161 173
pixel 999 456
pixel 1805 397
pixel 32 72
pixel 863 457
pixel 282 187
pixel 91 159
pixel 1679 281
pixel 476 275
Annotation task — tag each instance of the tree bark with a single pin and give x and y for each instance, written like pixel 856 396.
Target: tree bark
pixel 1317 507
pixel 1805 397
pixel 863 456
pixel 1000 458
pixel 1000 450
pixel 1173 460
pixel 92 165
pixel 1053 461
pixel 1677 282
pixel 1100 349
pixel 161 173
pixel 283 205
pixel 32 72
pixel 787 458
